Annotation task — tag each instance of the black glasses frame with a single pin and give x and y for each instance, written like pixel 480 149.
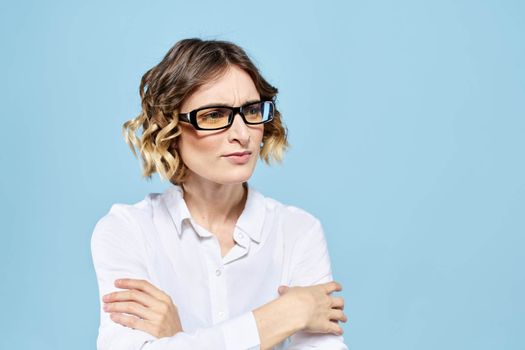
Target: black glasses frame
pixel 191 117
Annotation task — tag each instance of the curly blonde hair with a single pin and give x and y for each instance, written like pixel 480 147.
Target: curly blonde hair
pixel 189 64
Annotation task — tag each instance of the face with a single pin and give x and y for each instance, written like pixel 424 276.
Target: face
pixel 206 153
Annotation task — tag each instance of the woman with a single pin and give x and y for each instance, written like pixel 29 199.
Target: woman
pixel 211 263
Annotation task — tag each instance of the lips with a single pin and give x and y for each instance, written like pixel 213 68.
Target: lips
pixel 239 154
pixel 238 158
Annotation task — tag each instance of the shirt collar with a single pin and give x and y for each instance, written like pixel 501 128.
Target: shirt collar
pixel 176 205
pixel 250 222
pixel 252 217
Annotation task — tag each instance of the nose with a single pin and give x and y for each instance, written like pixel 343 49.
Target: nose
pixel 239 131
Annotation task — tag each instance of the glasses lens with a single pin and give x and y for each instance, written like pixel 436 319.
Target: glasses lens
pixel 211 118
pixel 259 112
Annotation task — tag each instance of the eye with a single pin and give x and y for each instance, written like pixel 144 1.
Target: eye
pixel 212 115
pixel 254 109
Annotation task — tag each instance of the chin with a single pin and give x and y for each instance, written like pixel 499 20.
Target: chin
pixel 224 174
pixel 235 176
pixel 230 180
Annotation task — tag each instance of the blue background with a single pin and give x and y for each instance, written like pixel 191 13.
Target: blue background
pixel 406 120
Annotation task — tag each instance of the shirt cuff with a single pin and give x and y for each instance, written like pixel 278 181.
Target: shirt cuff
pixel 241 333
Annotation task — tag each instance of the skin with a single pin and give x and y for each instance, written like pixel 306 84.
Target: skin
pixel 215 198
pixel 213 190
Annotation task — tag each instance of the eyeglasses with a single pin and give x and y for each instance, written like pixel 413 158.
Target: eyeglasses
pixel 221 117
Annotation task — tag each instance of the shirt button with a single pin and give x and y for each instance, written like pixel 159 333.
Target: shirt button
pixel 218 272
pixel 240 235
pixel 221 314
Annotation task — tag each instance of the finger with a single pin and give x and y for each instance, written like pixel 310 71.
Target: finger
pixel 142 285
pixel 333 287
pixel 335 328
pixel 338 303
pixel 132 309
pixel 130 295
pixel 337 315
pixel 133 322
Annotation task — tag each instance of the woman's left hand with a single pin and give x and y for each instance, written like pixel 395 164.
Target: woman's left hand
pixel 151 310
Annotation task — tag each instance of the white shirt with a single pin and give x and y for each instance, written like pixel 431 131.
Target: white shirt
pixel 156 239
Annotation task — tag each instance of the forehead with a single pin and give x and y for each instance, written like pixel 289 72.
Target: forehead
pixel 233 87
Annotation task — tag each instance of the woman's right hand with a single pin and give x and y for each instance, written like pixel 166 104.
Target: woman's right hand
pixel 319 311
pixel 143 306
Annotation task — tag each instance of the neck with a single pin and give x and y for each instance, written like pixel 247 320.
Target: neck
pixel 212 204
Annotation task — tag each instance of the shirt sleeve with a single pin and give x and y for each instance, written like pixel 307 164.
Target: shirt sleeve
pixel 239 333
pixel 118 251
pixel 311 265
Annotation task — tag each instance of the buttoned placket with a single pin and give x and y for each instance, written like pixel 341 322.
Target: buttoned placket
pixel 217 267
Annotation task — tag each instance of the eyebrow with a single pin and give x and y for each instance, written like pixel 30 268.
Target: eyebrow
pixel 218 104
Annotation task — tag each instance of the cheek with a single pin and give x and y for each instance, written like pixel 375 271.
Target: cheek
pixel 258 134
pixel 193 145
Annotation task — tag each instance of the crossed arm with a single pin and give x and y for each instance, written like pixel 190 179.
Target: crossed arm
pixel 151 320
